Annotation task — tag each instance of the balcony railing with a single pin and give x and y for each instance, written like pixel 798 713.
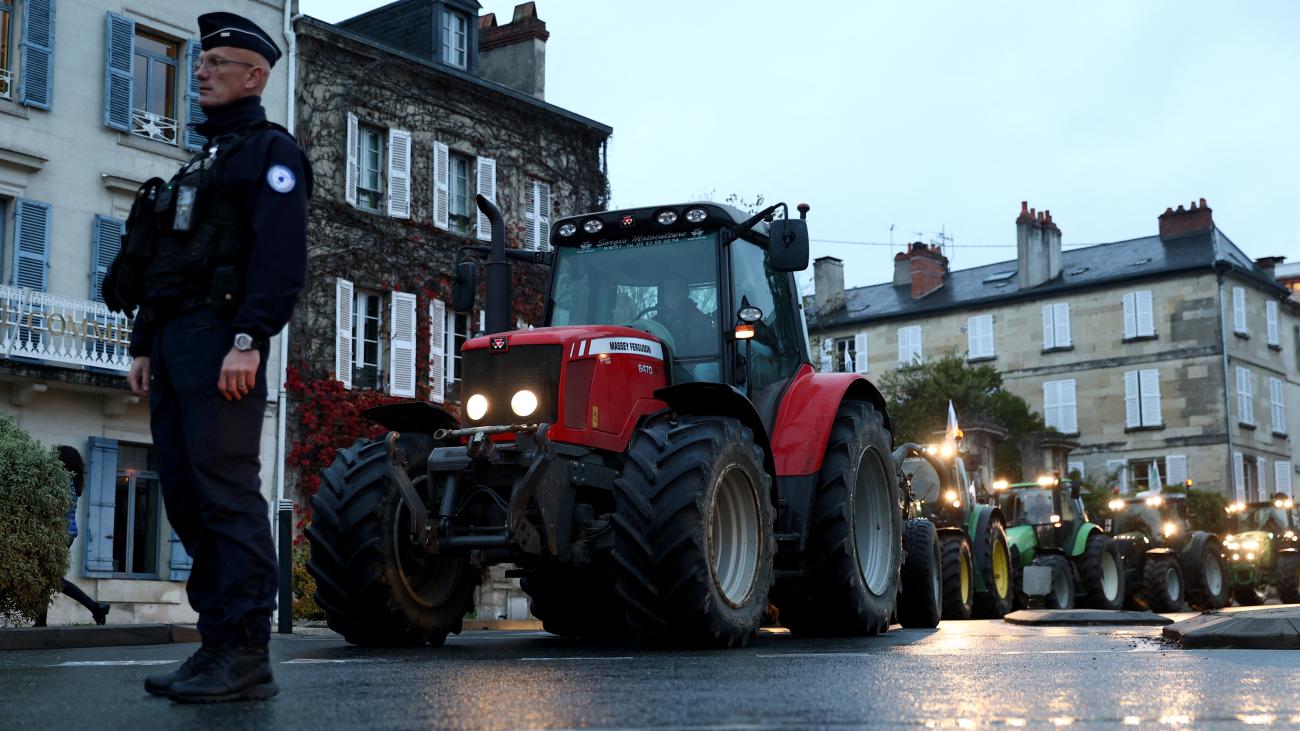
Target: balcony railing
pixel 6 83
pixel 54 329
pixel 153 126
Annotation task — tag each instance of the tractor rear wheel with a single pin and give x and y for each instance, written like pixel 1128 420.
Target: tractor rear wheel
pixel 1062 594
pixel 1288 578
pixel 1101 570
pixel 994 562
pixel 694 539
pixel 376 586
pixel 1162 584
pixel 958 577
pixel 920 599
pixel 575 602
pixel 855 534
pixel 1205 572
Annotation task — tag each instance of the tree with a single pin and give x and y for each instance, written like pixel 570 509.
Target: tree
pixel 34 490
pixel 918 404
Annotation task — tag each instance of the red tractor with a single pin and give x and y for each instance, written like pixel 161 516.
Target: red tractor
pixel 659 460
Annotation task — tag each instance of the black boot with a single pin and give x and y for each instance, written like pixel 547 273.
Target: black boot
pixel 100 613
pixel 161 683
pixel 237 673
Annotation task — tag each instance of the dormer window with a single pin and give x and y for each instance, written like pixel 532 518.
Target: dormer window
pixel 455 38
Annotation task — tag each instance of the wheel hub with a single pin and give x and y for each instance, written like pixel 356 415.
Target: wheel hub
pixel 734 535
pixel 872 526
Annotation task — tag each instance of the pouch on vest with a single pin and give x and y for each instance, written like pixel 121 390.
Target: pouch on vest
pixel 124 282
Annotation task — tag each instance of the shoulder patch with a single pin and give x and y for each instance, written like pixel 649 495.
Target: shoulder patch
pixel 280 178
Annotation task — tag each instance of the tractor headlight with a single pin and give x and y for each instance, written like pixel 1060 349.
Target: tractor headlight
pixel 666 218
pixel 1232 545
pixel 1170 529
pixel 592 226
pixel 696 215
pixel 1154 501
pixel 523 403
pixel 1116 505
pixel 1000 485
pixel 476 407
pixel 1236 557
pixel 1251 545
pixel 1250 557
pixel 950 496
pixel 568 229
pixel 1046 480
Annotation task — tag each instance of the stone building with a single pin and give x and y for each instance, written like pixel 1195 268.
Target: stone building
pixel 407 112
pixel 96 96
pixel 1165 357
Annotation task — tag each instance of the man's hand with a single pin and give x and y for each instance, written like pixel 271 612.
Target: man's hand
pixel 238 373
pixel 138 377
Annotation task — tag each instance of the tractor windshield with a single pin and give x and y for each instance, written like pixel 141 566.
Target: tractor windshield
pixel 666 287
pixel 1031 507
pixel 1268 518
pixel 1138 517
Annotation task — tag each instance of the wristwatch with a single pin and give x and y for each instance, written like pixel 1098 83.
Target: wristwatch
pixel 244 342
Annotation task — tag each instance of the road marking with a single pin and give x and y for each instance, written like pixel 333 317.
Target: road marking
pixel 107 663
pixel 571 659
pixel 331 660
pixel 921 651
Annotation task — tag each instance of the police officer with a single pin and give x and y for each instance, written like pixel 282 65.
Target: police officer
pixel 215 259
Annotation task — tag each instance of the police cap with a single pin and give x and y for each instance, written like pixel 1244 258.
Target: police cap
pixel 236 31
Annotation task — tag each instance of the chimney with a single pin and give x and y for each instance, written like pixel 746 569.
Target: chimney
pixel 1185 222
pixel 514 55
pixel 1038 247
pixel 927 267
pixel 1268 264
pixel 902 269
pixel 828 285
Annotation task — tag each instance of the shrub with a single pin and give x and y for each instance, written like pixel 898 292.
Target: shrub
pixel 1206 511
pixel 33 524
pixel 304 586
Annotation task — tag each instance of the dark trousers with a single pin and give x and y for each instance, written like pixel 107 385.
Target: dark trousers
pixel 207 454
pixel 74 591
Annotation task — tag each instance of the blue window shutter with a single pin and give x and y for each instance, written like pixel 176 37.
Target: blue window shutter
pixel 193 112
pixel 31 245
pixel 119 54
pixel 180 561
pixel 36 54
pixel 101 491
pixel 105 242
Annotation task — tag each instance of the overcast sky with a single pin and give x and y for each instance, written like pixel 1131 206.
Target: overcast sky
pixel 940 116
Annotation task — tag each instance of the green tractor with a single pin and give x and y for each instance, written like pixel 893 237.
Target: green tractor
pixel 974 555
pixel 1167 562
pixel 1049 527
pixel 1264 550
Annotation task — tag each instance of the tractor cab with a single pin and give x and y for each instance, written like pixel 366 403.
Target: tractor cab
pixel 1052 511
pixel 1160 517
pixel 941 489
pixel 1264 549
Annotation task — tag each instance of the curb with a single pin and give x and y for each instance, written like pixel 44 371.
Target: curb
pixel 502 624
pixel 1274 628
pixel 113 635
pixel 1084 617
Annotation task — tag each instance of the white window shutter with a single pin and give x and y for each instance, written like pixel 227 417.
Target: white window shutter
pixel 343 301
pixel 486 183
pixel 530 215
pixel 917 354
pixel 399 173
pixel 1146 323
pixel 1239 476
pixel 1271 311
pixel 828 355
pixel 1261 469
pixel 986 336
pixel 902 346
pixel 1278 405
pixel 1282 476
pixel 1176 466
pixel 1069 407
pixel 1049 330
pixel 860 347
pixel 353 170
pixel 972 337
pixel 1130 315
pixel 441 185
pixel 1062 317
pixel 1248 392
pixel 401 345
pixel 1132 404
pixel 1239 309
pixel 1150 385
pixel 1051 404
pixel 543 216
pixel 437 350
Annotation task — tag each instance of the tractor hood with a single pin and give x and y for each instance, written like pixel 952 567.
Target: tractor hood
pixel 590 339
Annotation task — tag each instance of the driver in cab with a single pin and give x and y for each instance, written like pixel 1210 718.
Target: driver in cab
pixel 692 330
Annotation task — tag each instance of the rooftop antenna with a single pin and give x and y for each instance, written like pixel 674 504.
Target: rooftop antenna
pixel 942 239
pixel 891 239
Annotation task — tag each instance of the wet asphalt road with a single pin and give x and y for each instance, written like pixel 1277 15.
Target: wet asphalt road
pixel 982 674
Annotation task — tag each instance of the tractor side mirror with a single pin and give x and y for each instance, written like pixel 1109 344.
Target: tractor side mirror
pixel 463 286
pixel 788 244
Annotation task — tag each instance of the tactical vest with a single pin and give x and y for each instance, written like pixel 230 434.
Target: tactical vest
pixel 187 240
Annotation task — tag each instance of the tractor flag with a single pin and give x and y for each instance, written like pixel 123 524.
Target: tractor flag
pixel 1157 484
pixel 952 434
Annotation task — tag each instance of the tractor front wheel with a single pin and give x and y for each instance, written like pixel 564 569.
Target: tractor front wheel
pixel 376 585
pixel 1062 594
pixel 1162 584
pixel 694 540
pixel 1101 569
pixel 920 600
pixel 855 534
pixel 1205 572
pixel 1288 577
pixel 958 577
pixel 995 568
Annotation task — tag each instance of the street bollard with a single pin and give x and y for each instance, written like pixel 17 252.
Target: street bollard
pixel 285 524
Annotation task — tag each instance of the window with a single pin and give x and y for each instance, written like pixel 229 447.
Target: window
pixel 1142 399
pixel 461 202
pixel 1060 406
pixel 153 87
pixel 136 508
pixel 1239 311
pixel 1117 473
pixel 370 162
pixel 845 357
pixel 1245 396
pixel 1250 479
pixel 1139 321
pixel 774 353
pixel 6 57
pixel 455 39
pixel 1148 473
pixel 1277 402
pixel 1056 326
pixel 1271 311
pixel 148 76
pixel 368 338
pixel 909 345
pixel 979 337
